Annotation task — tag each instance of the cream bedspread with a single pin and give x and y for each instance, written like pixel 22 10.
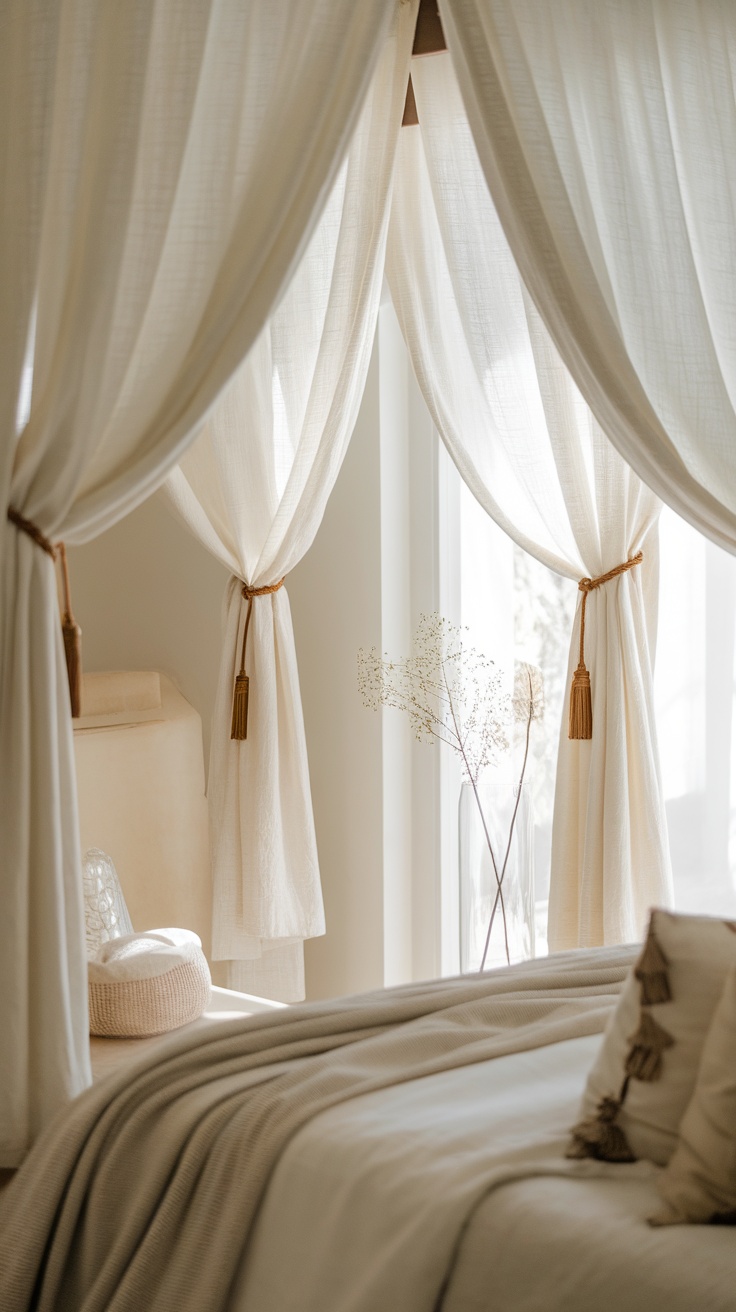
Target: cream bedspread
pixel 458 1183
pixel 564 1245
pixel 146 1192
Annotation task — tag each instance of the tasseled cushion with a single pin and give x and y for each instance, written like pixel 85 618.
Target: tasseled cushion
pixel 699 1183
pixel 647 1065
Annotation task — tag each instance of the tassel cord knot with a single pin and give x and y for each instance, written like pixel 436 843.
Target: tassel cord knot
pixel 581 707
pixel 239 722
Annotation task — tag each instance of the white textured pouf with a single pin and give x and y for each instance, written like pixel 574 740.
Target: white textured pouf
pixel 146 984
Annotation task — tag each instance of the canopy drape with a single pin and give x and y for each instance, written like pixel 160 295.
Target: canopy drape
pixel 163 166
pixel 538 462
pixel 253 489
pixel 606 132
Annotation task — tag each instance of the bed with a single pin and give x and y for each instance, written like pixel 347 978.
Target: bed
pixel 402 1150
pixel 387 1174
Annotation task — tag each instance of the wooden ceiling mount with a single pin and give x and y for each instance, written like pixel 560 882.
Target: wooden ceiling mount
pixel 411 118
pixel 429 39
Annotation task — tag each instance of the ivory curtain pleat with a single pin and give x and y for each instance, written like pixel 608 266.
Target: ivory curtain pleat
pixel 540 465
pixel 607 134
pixel 253 489
pixel 163 164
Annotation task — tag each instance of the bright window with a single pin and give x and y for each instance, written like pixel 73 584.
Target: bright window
pixel 516 608
pixel 694 698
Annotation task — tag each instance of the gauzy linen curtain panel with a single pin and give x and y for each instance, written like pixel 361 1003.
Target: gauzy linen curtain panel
pixel 535 458
pixel 253 489
pixel 162 165
pixel 607 133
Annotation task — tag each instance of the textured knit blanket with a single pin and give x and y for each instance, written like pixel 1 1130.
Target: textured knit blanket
pixel 144 1192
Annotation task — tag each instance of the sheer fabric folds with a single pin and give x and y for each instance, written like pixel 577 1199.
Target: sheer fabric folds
pixel 253 489
pixel 163 166
pixel 607 133
pixel 540 465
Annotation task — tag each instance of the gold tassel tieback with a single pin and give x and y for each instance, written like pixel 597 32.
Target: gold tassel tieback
pixel 581 705
pixel 72 635
pixel 71 631
pixel 32 531
pixel 239 724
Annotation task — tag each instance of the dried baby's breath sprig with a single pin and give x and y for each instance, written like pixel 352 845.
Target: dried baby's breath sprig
pixel 449 690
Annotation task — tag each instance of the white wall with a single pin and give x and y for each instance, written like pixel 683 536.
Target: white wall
pixel 335 596
pixel 148 596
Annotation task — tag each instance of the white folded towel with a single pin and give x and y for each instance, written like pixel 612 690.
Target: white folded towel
pixel 142 956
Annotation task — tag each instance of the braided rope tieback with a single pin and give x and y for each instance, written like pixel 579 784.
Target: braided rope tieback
pixel 71 632
pixel 32 531
pixel 239 723
pixel 581 706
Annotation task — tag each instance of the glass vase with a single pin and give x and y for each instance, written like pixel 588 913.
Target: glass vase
pixel 513 922
pixel 105 912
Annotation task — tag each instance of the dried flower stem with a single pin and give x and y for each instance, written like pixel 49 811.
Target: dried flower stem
pixel 499 889
pixel 499 892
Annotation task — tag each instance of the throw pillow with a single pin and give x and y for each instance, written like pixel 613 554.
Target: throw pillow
pixel 645 1072
pixel 699 1183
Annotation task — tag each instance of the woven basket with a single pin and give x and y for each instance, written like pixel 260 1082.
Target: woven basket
pixel 151 1003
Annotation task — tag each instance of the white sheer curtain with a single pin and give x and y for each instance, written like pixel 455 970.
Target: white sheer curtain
pixel 607 133
pixel 537 461
pixel 163 166
pixel 253 488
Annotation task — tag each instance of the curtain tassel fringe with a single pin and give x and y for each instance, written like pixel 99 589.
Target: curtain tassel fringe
pixel 72 635
pixel 73 652
pixel 581 703
pixel 581 706
pixel 241 691
pixel 239 725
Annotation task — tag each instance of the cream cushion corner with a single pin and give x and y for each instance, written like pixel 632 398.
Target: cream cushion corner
pixel 700 952
pixel 699 1183
pixel 145 984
